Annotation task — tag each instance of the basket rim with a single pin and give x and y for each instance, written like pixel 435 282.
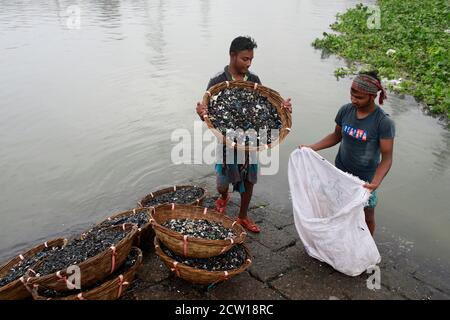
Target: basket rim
pixel 265 91
pixel 238 238
pixel 161 191
pixel 125 213
pixel 89 261
pixel 248 261
pixel 35 290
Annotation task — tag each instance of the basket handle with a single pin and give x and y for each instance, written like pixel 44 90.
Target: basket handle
pixel 225 277
pixel 113 258
pixel 80 296
pixel 228 247
pixel 185 245
pixel 175 269
pixel 121 284
pixel 25 282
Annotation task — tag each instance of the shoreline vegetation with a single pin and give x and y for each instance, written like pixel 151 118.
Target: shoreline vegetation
pixel 409 47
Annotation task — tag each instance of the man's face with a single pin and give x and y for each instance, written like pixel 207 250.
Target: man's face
pixel 242 60
pixel 360 99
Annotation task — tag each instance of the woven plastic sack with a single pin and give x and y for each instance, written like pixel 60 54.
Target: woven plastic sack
pixel 328 209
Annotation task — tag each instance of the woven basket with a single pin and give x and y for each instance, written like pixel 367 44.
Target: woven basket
pixel 17 290
pixel 94 269
pixel 144 233
pixel 189 246
pixel 199 276
pixel 152 195
pixel 113 288
pixel 274 98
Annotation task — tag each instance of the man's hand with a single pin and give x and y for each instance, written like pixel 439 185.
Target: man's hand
pixel 371 186
pixel 287 105
pixel 201 109
pixel 311 146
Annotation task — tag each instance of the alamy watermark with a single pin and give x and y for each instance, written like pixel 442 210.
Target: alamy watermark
pixel 74 278
pixel 203 147
pixel 374 19
pixel 73 20
pixel 374 280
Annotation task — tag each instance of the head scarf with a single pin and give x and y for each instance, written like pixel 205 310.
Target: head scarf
pixel 369 85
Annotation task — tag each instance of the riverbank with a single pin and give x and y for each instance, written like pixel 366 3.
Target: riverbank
pixel 282 270
pixel 407 41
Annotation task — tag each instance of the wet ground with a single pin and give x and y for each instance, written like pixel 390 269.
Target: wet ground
pixel 281 268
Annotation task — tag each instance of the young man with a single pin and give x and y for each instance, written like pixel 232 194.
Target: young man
pixel 365 132
pixel 242 176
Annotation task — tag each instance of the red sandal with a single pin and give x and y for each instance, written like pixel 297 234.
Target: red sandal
pixel 249 225
pixel 221 204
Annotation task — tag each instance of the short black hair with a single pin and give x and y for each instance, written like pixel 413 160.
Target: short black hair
pixel 242 43
pixel 372 73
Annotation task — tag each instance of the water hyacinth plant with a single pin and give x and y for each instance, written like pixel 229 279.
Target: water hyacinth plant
pixel 411 44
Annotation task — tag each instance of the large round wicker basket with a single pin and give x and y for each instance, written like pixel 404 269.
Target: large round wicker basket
pixel 113 287
pixel 200 276
pixel 189 246
pixel 17 289
pixel 94 269
pixel 274 98
pixel 157 193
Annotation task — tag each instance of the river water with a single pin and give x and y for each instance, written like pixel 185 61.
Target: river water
pixel 90 95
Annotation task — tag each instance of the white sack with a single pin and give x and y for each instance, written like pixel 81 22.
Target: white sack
pixel 328 209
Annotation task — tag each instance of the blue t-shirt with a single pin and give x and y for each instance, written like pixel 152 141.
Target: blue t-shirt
pixel 359 152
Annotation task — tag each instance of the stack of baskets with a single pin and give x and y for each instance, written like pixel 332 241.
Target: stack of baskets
pixel 110 288
pixel 104 275
pixel 160 197
pixel 189 247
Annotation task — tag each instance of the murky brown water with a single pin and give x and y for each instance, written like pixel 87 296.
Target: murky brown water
pixel 87 113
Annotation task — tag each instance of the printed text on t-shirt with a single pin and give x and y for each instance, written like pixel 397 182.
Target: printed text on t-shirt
pixel 359 134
